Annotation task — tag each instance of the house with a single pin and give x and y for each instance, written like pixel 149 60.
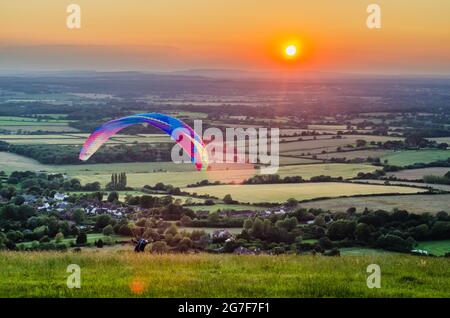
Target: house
pixel 221 234
pixel 60 196
pixel 43 207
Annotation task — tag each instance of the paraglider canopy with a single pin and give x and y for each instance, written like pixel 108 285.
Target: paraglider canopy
pixel 180 132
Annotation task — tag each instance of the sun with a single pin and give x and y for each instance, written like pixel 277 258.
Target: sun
pixel 290 50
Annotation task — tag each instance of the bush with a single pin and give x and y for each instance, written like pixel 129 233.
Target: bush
pixel 81 239
pixel 394 243
pixel 44 239
pixel 341 229
pixel 159 247
pixel 99 243
pixel 108 230
pixel 59 237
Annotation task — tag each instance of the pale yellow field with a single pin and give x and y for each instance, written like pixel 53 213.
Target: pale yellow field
pixel 183 178
pixel 282 192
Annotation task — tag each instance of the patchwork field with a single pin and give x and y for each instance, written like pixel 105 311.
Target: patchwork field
pixel 412 203
pixel 143 173
pixel 15 124
pixel 125 274
pixel 79 139
pixel 441 187
pixel 356 154
pixel 418 174
pixel 329 145
pixel 409 157
pixel 277 193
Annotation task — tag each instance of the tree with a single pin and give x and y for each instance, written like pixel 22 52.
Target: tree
pixel 248 224
pixel 227 199
pixel 420 232
pixel 159 247
pixel 44 239
pixel 99 243
pixel 185 244
pixel 19 200
pixel 113 196
pixel 59 237
pixel 108 230
pixel 78 216
pixel 440 230
pixel 81 239
pixel 394 242
pixel 361 143
pixel 185 220
pixel 102 221
pixel 362 232
pixel 341 229
pixel 172 230
pixel 258 228
pixel 291 202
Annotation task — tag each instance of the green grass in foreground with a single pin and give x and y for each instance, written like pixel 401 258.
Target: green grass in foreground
pixel 116 274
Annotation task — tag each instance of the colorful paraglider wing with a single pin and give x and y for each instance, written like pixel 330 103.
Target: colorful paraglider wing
pixel 183 134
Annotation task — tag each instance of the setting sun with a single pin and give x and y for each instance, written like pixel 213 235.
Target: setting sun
pixel 291 50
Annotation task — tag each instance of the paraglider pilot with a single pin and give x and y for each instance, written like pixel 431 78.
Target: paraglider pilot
pixel 140 245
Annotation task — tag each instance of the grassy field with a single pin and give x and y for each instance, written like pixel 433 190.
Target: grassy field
pixel 438 248
pixel 329 144
pixel 142 173
pixel 356 154
pixel 364 251
pixel 79 139
pixel 125 274
pixel 412 203
pixel 304 191
pixel 418 174
pixel 409 157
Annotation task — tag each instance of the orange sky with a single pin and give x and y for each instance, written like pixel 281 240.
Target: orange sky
pixel 244 34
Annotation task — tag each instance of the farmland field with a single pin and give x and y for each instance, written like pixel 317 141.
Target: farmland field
pixel 330 145
pixel 438 248
pixel 412 203
pixel 277 193
pixel 143 173
pixel 409 157
pixel 356 154
pixel 441 187
pixel 43 274
pixel 79 139
pixel 183 178
pixel 418 174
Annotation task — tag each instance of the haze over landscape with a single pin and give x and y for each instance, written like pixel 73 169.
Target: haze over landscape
pixel 362 160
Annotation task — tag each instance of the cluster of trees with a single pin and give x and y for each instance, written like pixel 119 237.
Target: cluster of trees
pixel 396 231
pixel 274 178
pixel 42 184
pixel 118 182
pixel 161 187
pixel 68 154
pixel 445 179
pixel 165 236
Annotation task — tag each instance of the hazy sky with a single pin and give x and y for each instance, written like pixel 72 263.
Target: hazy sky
pixel 227 34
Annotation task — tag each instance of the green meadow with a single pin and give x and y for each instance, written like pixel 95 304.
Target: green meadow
pixel 126 274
